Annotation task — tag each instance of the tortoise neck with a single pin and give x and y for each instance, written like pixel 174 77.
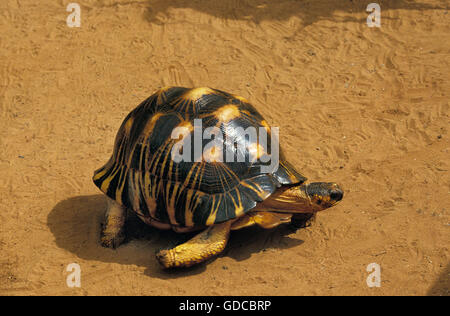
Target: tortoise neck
pixel 287 200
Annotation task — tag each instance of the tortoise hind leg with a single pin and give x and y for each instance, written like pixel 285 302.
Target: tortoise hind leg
pixel 203 246
pixel 113 230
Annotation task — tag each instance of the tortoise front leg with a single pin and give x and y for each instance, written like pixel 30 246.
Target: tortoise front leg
pixel 302 220
pixel 203 246
pixel 113 234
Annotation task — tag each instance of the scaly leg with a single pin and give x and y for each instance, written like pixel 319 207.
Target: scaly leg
pixel 302 220
pixel 203 246
pixel 113 228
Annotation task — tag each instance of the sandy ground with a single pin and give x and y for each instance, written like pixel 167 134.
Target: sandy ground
pixel 365 107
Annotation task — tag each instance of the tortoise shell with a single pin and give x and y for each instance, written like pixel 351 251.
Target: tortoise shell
pixel 142 176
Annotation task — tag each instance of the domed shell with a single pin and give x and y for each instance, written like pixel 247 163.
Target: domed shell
pixel 203 190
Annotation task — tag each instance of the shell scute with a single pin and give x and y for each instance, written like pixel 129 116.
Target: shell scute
pixel 142 175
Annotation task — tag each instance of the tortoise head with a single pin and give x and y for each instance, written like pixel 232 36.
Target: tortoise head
pixel 322 195
pixel 303 198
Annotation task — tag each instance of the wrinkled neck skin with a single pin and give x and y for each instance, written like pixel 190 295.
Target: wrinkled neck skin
pixel 289 200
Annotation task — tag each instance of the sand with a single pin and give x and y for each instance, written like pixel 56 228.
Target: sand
pixel 365 107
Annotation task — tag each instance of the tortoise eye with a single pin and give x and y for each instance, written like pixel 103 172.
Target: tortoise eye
pixel 336 195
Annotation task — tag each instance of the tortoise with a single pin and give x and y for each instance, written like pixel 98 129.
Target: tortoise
pixel 200 192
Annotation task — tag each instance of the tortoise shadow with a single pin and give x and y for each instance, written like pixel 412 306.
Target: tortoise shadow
pixel 76 223
pixel 243 243
pixel 442 285
pixel 263 10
